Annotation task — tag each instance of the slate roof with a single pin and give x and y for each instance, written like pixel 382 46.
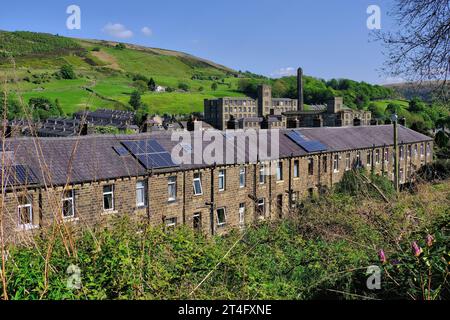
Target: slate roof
pixel 93 158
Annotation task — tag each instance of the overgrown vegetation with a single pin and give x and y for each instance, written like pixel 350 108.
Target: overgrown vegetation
pixel 320 251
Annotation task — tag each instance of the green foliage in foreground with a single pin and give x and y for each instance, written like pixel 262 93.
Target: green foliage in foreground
pixel 321 252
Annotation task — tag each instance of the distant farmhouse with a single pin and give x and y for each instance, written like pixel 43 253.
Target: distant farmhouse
pixel 267 112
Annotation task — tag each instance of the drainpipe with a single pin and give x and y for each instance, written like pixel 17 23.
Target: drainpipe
pixel 184 197
pixel 212 204
pixel 290 182
pixel 270 188
pixel 372 167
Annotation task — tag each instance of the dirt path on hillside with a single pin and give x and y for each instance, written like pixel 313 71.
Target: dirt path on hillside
pixel 107 58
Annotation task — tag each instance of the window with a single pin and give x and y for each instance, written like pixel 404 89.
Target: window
pixel 221 180
pixel 402 152
pixel 170 223
pixel 377 156
pixel 197 222
pixel 421 150
pixel 296 169
pixel 311 166
pixel 401 175
pixel 172 188
pixel 108 197
pixel 67 205
pixel 347 161
pixel 428 149
pixel 410 151
pixel 25 212
pixel 325 164
pixel 242 177
pixel 221 217
pixel 336 163
pixel 279 171
pixel 242 214
pixel 369 158
pixel 141 194
pixel 198 184
pixel 415 151
pixel 386 155
pixel 358 163
pixel 294 199
pixel 262 173
pixel 260 207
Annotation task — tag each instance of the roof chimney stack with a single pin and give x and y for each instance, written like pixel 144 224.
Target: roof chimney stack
pixel 300 89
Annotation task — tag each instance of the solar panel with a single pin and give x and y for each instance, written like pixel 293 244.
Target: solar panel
pixel 19 175
pixel 308 145
pixel 150 153
pixel 121 151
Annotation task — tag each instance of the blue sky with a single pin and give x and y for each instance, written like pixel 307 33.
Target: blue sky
pixel 328 38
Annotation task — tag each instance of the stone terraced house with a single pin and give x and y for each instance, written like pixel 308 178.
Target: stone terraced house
pixel 84 180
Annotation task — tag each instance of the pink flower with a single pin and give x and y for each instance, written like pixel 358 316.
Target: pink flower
pixel 430 240
pixel 382 256
pixel 417 251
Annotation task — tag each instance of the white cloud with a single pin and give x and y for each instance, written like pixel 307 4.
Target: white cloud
pixel 147 31
pixel 284 72
pixel 117 30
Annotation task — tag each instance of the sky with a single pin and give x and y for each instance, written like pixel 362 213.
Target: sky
pixel 327 38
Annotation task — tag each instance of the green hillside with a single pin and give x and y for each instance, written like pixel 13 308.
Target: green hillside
pixel 107 72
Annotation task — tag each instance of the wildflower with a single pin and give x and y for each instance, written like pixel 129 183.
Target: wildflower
pixel 382 256
pixel 417 251
pixel 430 240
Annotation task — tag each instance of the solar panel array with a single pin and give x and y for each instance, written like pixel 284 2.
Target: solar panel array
pixel 308 145
pixel 150 153
pixel 18 175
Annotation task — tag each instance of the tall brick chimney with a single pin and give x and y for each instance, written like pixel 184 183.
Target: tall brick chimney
pixel 300 89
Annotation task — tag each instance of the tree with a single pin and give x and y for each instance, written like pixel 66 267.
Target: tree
pixel 151 85
pixel 214 86
pixel 183 86
pixel 140 86
pixel 416 105
pixel 419 49
pixel 67 72
pixel 135 100
pixel 43 108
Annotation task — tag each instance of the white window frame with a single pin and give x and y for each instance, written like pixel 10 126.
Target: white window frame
pixel 142 189
pixel 348 163
pixel 242 209
pixel 222 180
pixel 70 199
pixel 261 202
pixel 171 224
pixel 262 173
pixel 199 180
pixel 336 163
pixel 172 183
pixel 296 168
pixel 310 166
pixel 29 207
pixel 369 158
pixel 242 180
pixel 280 171
pixel 220 224
pixel 112 197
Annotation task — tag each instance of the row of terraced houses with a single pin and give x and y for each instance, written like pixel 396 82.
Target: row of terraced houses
pixel 86 180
